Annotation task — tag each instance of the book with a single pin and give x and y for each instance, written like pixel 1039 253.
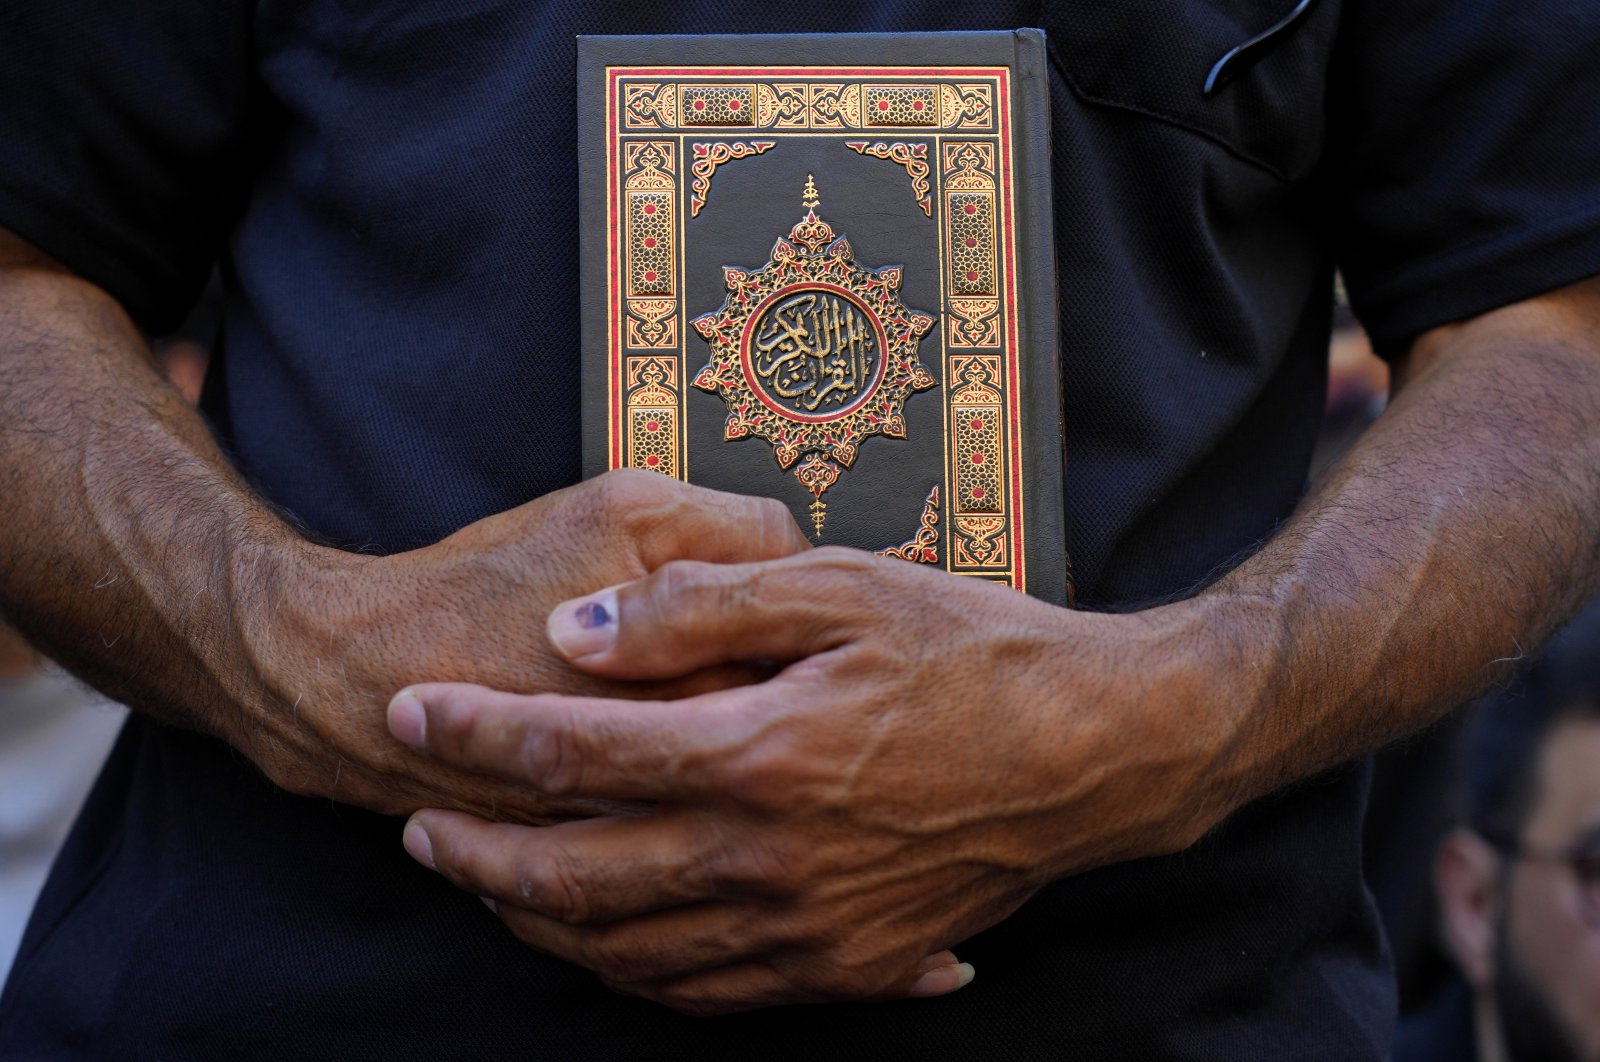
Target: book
pixel 819 268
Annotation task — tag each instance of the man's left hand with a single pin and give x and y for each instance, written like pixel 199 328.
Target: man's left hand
pixel 934 750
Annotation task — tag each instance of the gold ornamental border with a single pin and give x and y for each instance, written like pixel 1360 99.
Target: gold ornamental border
pixel 877 104
pixel 963 115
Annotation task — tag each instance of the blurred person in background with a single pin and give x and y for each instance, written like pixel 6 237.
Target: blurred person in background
pixel 1519 880
pixel 54 734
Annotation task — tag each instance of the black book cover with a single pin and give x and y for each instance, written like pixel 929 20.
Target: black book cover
pixel 819 268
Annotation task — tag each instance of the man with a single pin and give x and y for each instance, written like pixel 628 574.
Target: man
pixel 940 762
pixel 1519 883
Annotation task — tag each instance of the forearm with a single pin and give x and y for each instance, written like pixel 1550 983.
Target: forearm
pixel 140 559
pixel 134 552
pixel 1455 535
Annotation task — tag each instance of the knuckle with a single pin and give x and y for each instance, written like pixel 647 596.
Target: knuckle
pixel 771 510
pixel 609 955
pixel 685 588
pixel 624 487
pixel 452 721
pixel 551 886
pixel 776 525
pixel 838 573
pixel 774 775
pixel 770 870
pixel 754 777
pixel 845 561
pixel 677 581
pixel 552 759
pixel 630 500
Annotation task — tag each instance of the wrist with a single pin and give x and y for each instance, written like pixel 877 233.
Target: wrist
pixel 1223 687
pixel 1172 701
pixel 295 606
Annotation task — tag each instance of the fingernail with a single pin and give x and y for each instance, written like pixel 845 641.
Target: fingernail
pixel 407 720
pixel 584 627
pixel 944 980
pixel 417 844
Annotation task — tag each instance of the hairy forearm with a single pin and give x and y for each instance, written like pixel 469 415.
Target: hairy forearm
pixel 134 553
pixel 1457 533
pixel 138 557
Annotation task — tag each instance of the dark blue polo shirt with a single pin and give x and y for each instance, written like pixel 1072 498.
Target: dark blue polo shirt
pixel 392 192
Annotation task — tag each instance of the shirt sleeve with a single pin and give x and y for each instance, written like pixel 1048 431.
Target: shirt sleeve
pixel 1465 139
pixel 125 136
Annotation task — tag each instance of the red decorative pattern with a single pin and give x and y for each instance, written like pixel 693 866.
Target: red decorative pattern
pixel 812 260
pixel 649 417
pixel 975 421
pixel 922 547
pixel 817 475
pixel 974 322
pixel 652 323
pixel 651 231
pixel 647 291
pixel 783 106
pixel 702 105
pixel 949 105
pixel 979 542
pixel 970 220
pixel 970 230
pixel 653 441
pixel 981 473
pixel 707 157
pixel 650 106
pixel 914 157
pixel 913 105
pixel 966 106
pixel 833 106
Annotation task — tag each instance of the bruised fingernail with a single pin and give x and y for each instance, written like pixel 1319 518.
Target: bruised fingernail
pixel 586 626
pixel 407 720
pixel 417 844
pixel 944 980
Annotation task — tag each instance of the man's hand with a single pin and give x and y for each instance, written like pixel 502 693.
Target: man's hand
pixel 135 555
pixel 348 629
pixel 936 750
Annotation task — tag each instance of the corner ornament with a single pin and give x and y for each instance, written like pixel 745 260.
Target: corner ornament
pixel 814 353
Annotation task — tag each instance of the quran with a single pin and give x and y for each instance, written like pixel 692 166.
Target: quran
pixel 819 268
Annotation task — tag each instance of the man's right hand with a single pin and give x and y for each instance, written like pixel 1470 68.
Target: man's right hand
pixel 135 555
pixel 352 630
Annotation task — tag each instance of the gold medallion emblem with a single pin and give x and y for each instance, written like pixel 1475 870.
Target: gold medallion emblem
pixel 814 353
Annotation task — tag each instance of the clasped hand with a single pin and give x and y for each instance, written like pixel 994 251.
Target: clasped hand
pixel 932 750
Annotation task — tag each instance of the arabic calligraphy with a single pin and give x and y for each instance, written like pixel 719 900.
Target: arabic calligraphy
pixel 814 352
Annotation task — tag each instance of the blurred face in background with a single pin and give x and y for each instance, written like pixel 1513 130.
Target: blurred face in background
pixel 1551 922
pixel 1525 922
